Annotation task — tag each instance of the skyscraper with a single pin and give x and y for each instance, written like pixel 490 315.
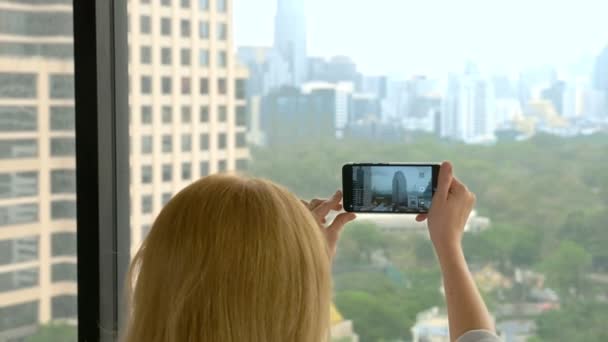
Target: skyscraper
pixel 290 39
pixel 399 189
pixel 188 119
pixel 600 82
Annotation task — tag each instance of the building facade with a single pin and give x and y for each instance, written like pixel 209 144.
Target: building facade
pixel 187 120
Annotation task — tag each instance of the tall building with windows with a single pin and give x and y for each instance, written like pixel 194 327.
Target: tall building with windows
pixel 188 119
pixel 290 39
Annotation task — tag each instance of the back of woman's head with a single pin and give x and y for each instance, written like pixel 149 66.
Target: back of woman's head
pixel 231 259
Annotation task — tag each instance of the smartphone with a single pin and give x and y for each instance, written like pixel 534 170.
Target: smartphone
pixel 397 188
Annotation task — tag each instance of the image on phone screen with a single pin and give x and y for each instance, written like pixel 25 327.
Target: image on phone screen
pixel 391 189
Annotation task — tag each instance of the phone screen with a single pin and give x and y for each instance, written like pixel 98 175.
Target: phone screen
pixel 389 188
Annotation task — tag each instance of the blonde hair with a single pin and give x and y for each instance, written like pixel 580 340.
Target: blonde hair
pixel 231 259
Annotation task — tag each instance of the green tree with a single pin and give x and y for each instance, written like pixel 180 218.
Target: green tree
pixel 582 321
pixel 54 332
pixel 567 267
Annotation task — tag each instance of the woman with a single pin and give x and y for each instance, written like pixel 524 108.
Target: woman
pixel 232 259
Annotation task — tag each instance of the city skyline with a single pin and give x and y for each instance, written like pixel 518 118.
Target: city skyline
pixel 489 38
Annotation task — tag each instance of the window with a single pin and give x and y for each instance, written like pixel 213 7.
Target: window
pixel 165 55
pixel 166 3
pixel 18 315
pixel 18 280
pixel 64 307
pixel 203 30
pixel 167 144
pixel 222 166
pixel 203 4
pixel 19 250
pixel 146 204
pixel 18 86
pixel 221 141
pixel 167 114
pixel 18 184
pixel 204 142
pixel 222 60
pixel 146 55
pixel 62 86
pixel 166 198
pixel 186 143
pixel 166 85
pixel 63 244
pixel 186 171
pixel 222 113
pixel 146 85
pixel 185 57
pixel 204 114
pixel 145 26
pixel 63 147
pixel 18 214
pixel 63 210
pixel 242 165
pixel 222 6
pixel 18 148
pixel 145 229
pixel 167 172
pixel 146 174
pixel 65 271
pixel 241 116
pixel 241 139
pixel 222 86
pixel 203 57
pixel 186 86
pixel 63 181
pixel 240 89
pixel 146 144
pixel 146 115
pixel 204 86
pixel 18 119
pixel 204 168
pixel 62 118
pixel 185 28
pixel 186 115
pixel 222 31
pixel 185 3
pixel 165 26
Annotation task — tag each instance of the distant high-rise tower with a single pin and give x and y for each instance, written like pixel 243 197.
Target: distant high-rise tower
pixel 600 77
pixel 399 189
pixel 290 38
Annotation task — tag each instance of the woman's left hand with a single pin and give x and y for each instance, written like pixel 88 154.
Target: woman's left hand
pixel 320 209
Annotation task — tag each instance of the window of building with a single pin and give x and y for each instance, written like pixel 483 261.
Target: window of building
pixel 222 31
pixel 222 60
pixel 146 85
pixel 204 86
pixel 222 166
pixel 222 6
pixel 241 116
pixel 146 144
pixel 203 57
pixel 62 118
pixel 18 148
pixel 166 197
pixel 18 119
pixel 165 26
pixel 166 3
pixel 146 115
pixel 145 229
pixel 222 141
pixel 185 28
pixel 167 172
pixel 18 86
pixel 64 306
pixel 166 85
pixel 203 5
pixel 65 271
pixel 146 174
pixel 63 181
pixel 18 214
pixel 186 89
pixel 203 29
pixel 145 25
pixel 17 315
pixel 18 184
pixel 167 114
pixel 19 280
pixel 186 171
pixel 186 115
pixel 62 86
pixel 146 55
pixel 240 89
pixel 63 209
pixel 165 56
pixel 241 139
pixel 63 147
pixel 186 142
pixel 167 143
pixel 204 168
pixel 222 87
pixel 204 114
pixel 185 57
pixel 222 113
pixel 146 204
pixel 63 244
pixel 185 3
pixel 204 141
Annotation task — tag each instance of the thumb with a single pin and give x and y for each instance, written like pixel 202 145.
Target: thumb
pixel 444 181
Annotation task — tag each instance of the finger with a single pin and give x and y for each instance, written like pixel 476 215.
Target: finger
pixel 315 203
pixel 339 222
pixel 421 217
pixel 458 188
pixel 324 208
pixel 444 180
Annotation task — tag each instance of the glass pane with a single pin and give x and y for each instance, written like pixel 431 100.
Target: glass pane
pixel 37 172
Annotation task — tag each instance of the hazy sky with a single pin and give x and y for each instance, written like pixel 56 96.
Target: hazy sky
pixel 409 36
pixel 382 177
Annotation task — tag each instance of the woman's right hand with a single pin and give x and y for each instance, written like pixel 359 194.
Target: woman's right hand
pixel 450 210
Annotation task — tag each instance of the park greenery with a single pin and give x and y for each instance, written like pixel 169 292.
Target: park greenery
pixel 547 198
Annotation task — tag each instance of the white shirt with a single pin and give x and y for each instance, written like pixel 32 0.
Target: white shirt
pixel 478 336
